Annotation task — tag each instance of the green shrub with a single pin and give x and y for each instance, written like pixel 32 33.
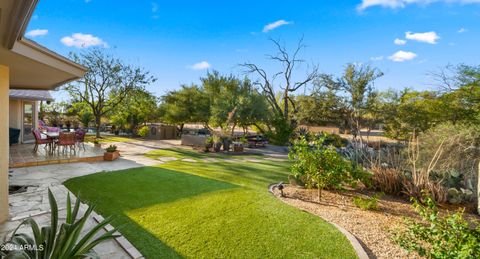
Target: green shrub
pixel 334 140
pixel 281 131
pixel 320 166
pixel 143 131
pixel 437 236
pixel 111 148
pixel 370 203
pixel 243 139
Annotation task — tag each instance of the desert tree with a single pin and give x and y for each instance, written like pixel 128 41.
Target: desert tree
pixel 356 83
pixel 107 82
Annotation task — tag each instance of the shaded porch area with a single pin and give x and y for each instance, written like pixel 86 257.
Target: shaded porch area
pixel 23 155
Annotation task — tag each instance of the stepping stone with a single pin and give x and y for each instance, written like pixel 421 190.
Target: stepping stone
pixel 235 161
pixel 189 160
pixel 275 159
pixel 254 160
pixel 209 159
pixel 167 159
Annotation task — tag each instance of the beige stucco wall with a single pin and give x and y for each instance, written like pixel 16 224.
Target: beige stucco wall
pixel 15 114
pixel 4 148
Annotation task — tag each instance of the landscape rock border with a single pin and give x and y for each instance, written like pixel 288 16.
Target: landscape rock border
pixel 361 253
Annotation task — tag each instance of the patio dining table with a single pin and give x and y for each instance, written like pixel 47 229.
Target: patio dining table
pixel 53 135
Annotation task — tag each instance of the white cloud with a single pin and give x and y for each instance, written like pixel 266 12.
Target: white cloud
pixel 402 3
pixel 428 37
pixel 274 25
pixel 462 30
pixel 401 56
pixel 399 42
pixel 35 33
pixel 200 66
pixel 81 40
pixel 379 58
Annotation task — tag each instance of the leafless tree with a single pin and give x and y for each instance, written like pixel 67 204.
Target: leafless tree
pixel 290 62
pixel 452 77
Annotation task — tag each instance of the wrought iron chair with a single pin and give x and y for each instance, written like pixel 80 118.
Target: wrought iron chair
pixel 66 139
pixel 80 138
pixel 48 142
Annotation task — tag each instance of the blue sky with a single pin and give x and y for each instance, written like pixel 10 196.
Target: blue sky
pixel 177 41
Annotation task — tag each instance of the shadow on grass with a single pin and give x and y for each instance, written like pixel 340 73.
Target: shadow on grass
pixel 115 193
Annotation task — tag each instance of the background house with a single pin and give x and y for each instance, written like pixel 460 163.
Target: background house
pixel 23 111
pixel 24 64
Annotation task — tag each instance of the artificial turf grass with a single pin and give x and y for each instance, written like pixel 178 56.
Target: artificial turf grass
pixel 193 154
pixel 209 210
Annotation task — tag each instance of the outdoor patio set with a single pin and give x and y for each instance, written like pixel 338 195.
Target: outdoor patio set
pixel 54 139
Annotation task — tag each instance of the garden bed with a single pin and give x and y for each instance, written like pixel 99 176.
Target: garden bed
pixel 372 228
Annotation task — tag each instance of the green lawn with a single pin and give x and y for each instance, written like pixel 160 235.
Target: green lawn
pixel 195 155
pixel 209 210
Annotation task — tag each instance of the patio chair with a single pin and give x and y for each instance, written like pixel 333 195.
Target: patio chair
pixel 66 139
pixel 80 138
pixel 48 142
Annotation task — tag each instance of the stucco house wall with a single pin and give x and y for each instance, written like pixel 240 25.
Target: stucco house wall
pixel 15 113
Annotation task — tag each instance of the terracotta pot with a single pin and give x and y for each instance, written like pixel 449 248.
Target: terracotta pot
pixel 217 146
pixel 238 148
pixel 110 156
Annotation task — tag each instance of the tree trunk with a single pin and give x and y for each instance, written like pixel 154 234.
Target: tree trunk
pixel 478 190
pixel 285 105
pixel 181 129
pixel 97 126
pixel 233 129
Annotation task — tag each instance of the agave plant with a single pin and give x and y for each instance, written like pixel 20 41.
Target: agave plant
pixel 54 241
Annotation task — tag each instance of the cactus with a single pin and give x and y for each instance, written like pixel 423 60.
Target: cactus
pixel 467 194
pixel 454 196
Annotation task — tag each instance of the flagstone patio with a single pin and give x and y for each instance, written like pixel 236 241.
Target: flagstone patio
pixel 23 155
pixel 34 202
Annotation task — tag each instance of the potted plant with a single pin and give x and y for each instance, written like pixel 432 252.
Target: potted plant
pixel 96 143
pixel 217 143
pixel 111 153
pixel 240 144
pixel 226 141
pixel 208 143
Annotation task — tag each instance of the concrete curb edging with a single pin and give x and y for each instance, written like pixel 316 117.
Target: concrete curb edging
pixel 361 253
